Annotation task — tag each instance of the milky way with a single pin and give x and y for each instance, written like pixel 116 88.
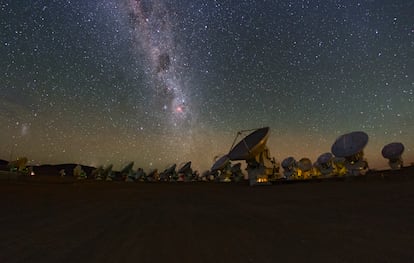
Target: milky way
pixel 154 32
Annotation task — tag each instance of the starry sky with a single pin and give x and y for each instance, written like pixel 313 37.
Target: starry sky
pixel 161 82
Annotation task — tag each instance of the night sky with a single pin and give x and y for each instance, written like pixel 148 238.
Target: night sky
pixel 161 82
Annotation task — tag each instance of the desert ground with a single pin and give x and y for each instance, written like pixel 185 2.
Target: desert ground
pixel 62 220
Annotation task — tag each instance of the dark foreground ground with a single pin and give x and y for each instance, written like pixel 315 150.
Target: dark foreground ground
pixel 351 221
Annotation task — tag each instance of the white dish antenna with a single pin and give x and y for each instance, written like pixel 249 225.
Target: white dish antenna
pixel 185 168
pixel 325 158
pixel 288 162
pixel 153 173
pixel 108 169
pixel 305 164
pixel 325 164
pixel 220 163
pixel 393 150
pixel 170 169
pixel 250 146
pixel 350 144
pixel 127 168
pixel 261 167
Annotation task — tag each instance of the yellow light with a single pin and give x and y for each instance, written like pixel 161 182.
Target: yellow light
pixel 262 180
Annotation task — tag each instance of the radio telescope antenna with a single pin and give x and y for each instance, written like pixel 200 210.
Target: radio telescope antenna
pixel 186 171
pixel 325 164
pixel 305 168
pixel 290 166
pixel 393 152
pixel 253 150
pixel 350 146
pixel 238 134
pixel 169 173
pixel 220 163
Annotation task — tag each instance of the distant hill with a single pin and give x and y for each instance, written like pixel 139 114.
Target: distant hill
pixel 48 169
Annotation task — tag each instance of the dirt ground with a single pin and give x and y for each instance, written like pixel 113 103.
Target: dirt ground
pixel 351 221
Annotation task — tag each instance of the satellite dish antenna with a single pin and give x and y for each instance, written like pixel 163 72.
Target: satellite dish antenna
pixel 350 146
pixel 97 173
pixel 186 172
pixel 153 175
pixel 324 164
pixel 128 173
pixel 140 174
pixel 128 168
pixel 170 169
pixel 288 162
pixel 251 145
pixel 289 168
pixel 220 163
pixel 305 164
pixel 169 173
pixel 108 173
pixel 305 168
pixel 108 169
pixel 324 158
pixel 253 150
pixel 185 168
pixel 393 152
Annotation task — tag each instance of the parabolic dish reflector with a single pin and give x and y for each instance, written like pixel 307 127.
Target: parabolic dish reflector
pixel 324 158
pixel 185 167
pixel 153 172
pixel 220 163
pixel 305 164
pixel 170 169
pixel 251 145
pixel 392 150
pixel 127 168
pixel 288 162
pixel 349 144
